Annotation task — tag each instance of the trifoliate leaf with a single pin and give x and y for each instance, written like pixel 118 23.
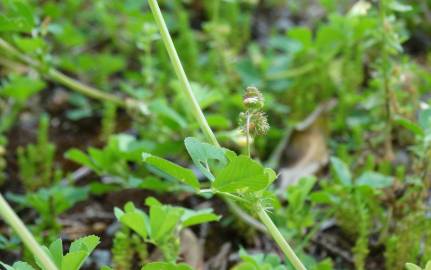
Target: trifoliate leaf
pixel 163 220
pixel 73 260
pixel 133 218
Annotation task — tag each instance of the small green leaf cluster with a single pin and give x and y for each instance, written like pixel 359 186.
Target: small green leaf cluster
pixel 36 161
pixel 73 260
pixel 161 227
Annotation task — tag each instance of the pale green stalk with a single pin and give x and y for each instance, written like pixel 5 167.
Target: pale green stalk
pixel 61 78
pixel 27 238
pixel 179 70
pixel 197 112
pixel 279 239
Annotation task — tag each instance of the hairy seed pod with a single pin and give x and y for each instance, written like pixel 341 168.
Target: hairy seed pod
pixel 255 122
pixel 253 99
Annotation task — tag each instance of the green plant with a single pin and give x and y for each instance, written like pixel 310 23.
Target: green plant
pixel 233 180
pixel 49 203
pixel 26 237
pixel 355 203
pixel 163 224
pixel 73 260
pixel 126 246
pixel 36 161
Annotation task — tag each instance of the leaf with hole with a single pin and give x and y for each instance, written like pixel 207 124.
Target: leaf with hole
pixel 201 153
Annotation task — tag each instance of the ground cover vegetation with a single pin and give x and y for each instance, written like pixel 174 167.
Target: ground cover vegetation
pixel 215 134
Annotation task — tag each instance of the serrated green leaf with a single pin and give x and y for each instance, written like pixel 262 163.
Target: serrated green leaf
pixel 342 171
pixel 56 250
pixel 87 243
pixel 79 250
pixel 73 260
pixel 201 153
pixel 242 175
pixel 182 174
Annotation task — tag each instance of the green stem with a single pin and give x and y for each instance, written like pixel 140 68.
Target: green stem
pixel 278 237
pixel 179 70
pixel 386 81
pixel 84 89
pixel 61 78
pixel 15 222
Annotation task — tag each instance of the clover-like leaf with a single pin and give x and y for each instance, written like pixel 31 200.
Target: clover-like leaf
pixel 133 218
pixel 242 175
pixel 201 153
pixel 163 220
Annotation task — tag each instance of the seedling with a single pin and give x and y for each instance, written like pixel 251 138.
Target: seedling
pixel 73 260
pixel 163 224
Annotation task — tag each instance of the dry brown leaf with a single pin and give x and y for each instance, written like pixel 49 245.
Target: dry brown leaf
pixel 306 151
pixel 192 250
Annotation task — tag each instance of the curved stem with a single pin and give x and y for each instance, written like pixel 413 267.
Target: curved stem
pixel 84 89
pixel 278 237
pixel 61 78
pixel 179 70
pixel 15 222
pixel 244 216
